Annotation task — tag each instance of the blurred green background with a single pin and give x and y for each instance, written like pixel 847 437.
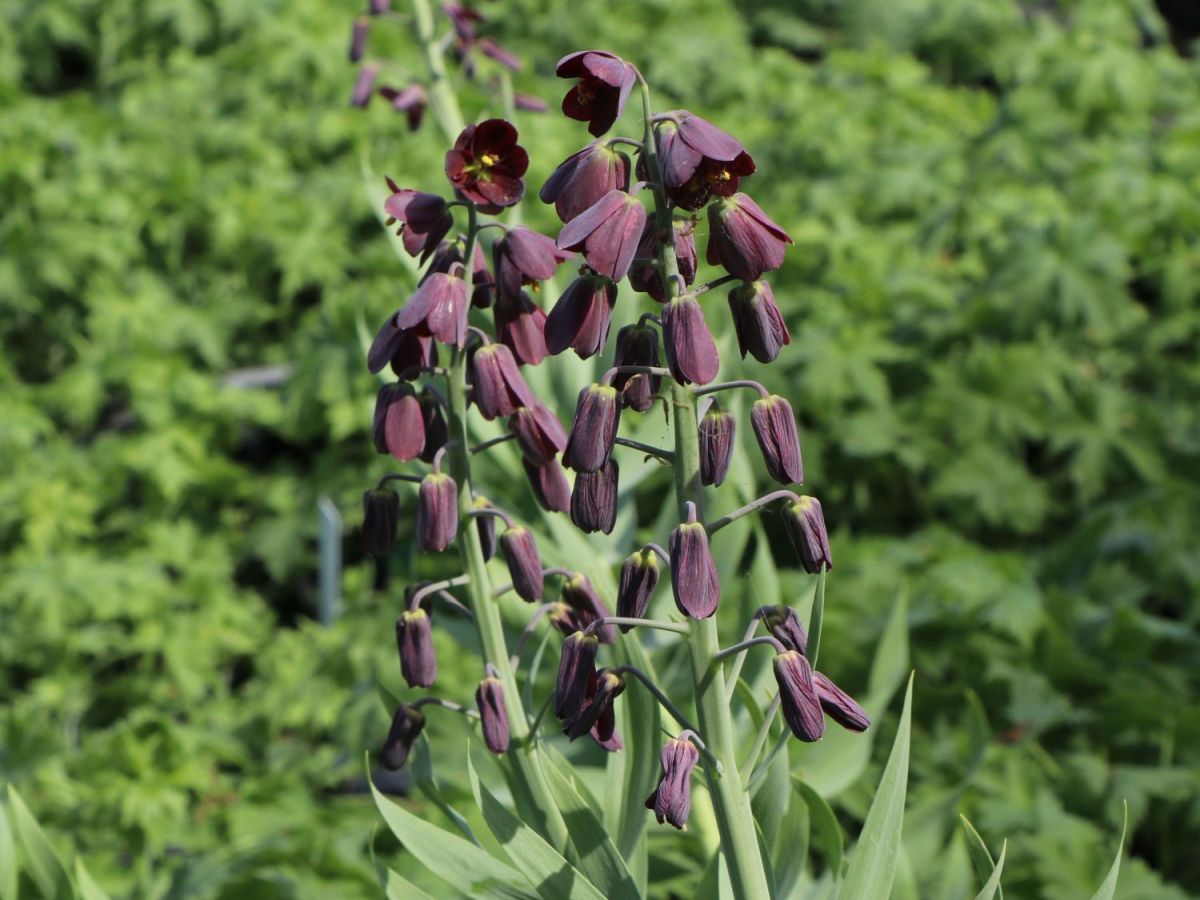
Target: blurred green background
pixel 995 304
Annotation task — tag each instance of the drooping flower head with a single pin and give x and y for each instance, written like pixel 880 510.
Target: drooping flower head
pixel 639 578
pixel 434 420
pixel 743 239
pixel 399 426
pixel 493 714
pixel 582 316
pixel 407 724
pixel 485 525
pixel 637 345
pixel 691 351
pixel 839 705
pixel 538 432
pixel 761 331
pixel 414 640
pixel 437 512
pixel 605 82
pixel 717 430
pixel 644 275
pixel 699 160
pixel 785 627
pixel 575 667
pixel 381 512
pixel 497 385
pixel 798 693
pixel 775 430
pixel 402 349
pixel 804 522
pixel 487 165
pixel 594 499
pixel 693 572
pixel 521 326
pixel 549 484
pixel 594 431
pixel 424 219
pixel 584 177
pixel 524 562
pixel 578 593
pixel 672 799
pixel 607 233
pixel 608 686
pixel 524 256
pixel 438 308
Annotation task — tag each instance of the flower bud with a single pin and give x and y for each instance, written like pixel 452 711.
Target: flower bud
pixel 565 619
pixel 691 352
pixel 672 799
pixel 693 572
pixel 607 233
pixel 500 54
pixel 524 563
pixel 486 525
pixel 399 427
pixel 549 485
pixel 521 326
pixel 584 177
pixel 756 319
pixel 798 693
pixel 493 714
pixel 639 578
pixel 381 510
pixel 839 705
pixel 579 594
pixel 804 523
pixel 434 422
pixel 582 316
pixel 594 431
pixel 743 239
pixel 529 103
pixel 717 430
pixel 785 627
pixel 358 38
pixel 637 345
pixel 608 686
pixel 414 640
pixel 576 667
pixel 775 428
pixel 437 512
pixel 410 100
pixel 497 385
pixel 379 7
pixel 364 84
pixel 407 724
pixel 538 432
pixel 594 499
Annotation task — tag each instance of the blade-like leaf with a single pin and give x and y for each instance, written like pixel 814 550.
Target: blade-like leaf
pixel 8 858
pixel 873 864
pixel 397 887
pixel 1109 885
pixel 639 772
pixel 86 887
pixel 981 858
pixel 456 861
pixel 790 847
pixel 826 832
pixel 991 887
pixel 422 773
pixel 43 863
pixel 551 875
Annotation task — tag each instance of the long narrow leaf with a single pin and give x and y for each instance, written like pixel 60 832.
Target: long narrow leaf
pixel 8 858
pixel 397 887
pixel 981 857
pixel 1109 885
pixel 43 863
pixel 826 832
pixel 85 884
pixel 991 887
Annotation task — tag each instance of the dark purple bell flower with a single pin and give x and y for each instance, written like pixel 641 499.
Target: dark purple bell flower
pixel 521 326
pixel 500 54
pixel 358 38
pixel 804 522
pixel 486 526
pixel 775 429
pixel 439 308
pixel 605 82
pixel 565 619
pixel 798 694
pixel 425 219
pixel 401 349
pixel 381 512
pixel 639 578
pixel 434 420
pixel 839 705
pixel 700 160
pixel 497 386
pixel 637 345
pixel 463 18
pixel 449 256
pixel 576 667
pixel 717 431
pixel 524 256
pixel 414 639
pixel 594 499
pixel 693 572
pixel 785 627
pixel 579 594
pixel 411 100
pixel 407 724
pixel 538 432
pixel 493 714
pixel 379 7
pixel 597 415
pixel 607 725
pixel 691 351
pixel 672 799
pixel 549 484
pixel 364 85
pixel 607 233
pixel 524 563
pixel 437 512
pixel 487 165
pixel 743 239
pixel 584 177
pixel 399 427
pixel 581 317
pixel 608 686
pixel 644 275
pixel 761 331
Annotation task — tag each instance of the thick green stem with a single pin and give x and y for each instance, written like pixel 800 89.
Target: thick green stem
pixel 441 94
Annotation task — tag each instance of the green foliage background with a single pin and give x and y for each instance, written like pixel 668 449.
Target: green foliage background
pixel 995 301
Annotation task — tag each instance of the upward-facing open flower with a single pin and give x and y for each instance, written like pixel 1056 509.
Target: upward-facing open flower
pixel 581 317
pixel 637 345
pixel 524 256
pixel 584 177
pixel 639 578
pixel 839 705
pixel 693 572
pixel 399 426
pixel 524 562
pixel 644 274
pixel 549 484
pixel 381 511
pixel 700 160
pixel 414 640
pixel 605 82
pixel 439 308
pixel 798 693
pixel 424 219
pixel 717 430
pixel 493 714
pixel 691 351
pixel 785 627
pixel 521 326
pixel 497 386
pixel 761 331
pixel 538 432
pixel 672 799
pixel 579 594
pixel 804 522
pixel 607 233
pixel 594 499
pixel 576 667
pixel 402 349
pixel 775 429
pixel 407 723
pixel 486 165
pixel 608 686
pixel 743 239
pixel 597 415
pixel 437 512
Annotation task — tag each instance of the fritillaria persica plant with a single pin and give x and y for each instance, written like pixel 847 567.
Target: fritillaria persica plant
pixel 629 208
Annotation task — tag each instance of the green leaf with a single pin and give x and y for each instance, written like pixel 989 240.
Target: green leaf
pixel 86 886
pixel 43 863
pixel 826 832
pixel 8 858
pixel 456 861
pixel 596 856
pixel 1109 885
pixel 422 773
pixel 551 875
pixel 873 864
pixel 639 769
pixel 991 887
pixel 790 850
pixel 397 887
pixel 981 857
